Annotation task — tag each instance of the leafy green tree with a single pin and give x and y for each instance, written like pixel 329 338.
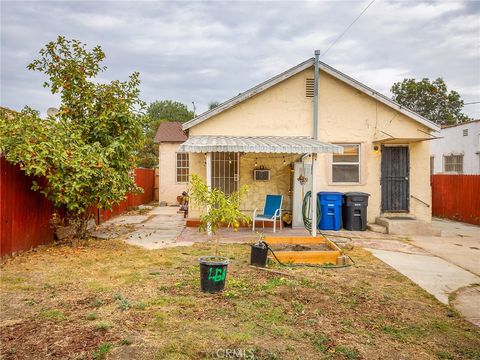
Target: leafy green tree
pixel 431 99
pixel 87 150
pixel 157 112
pixel 213 104
pixel 169 110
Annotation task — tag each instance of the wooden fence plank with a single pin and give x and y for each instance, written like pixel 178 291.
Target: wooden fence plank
pixel 456 197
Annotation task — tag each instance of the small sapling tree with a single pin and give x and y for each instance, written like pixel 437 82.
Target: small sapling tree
pixel 219 208
pixel 85 151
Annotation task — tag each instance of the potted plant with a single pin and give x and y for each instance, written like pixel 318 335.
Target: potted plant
pixel 219 210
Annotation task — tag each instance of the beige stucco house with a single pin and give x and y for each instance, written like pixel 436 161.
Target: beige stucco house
pixel 331 128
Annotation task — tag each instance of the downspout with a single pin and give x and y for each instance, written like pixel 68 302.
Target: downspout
pixel 313 198
pixel 315 97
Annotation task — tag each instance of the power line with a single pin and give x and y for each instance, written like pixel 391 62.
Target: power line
pixel 471 103
pixel 348 27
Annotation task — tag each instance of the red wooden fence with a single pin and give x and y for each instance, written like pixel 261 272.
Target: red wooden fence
pixel 145 178
pixel 25 214
pixel 456 197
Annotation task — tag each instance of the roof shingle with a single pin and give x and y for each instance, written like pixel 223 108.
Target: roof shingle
pixel 170 131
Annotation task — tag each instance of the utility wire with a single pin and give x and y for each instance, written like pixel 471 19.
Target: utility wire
pixel 348 27
pixel 471 103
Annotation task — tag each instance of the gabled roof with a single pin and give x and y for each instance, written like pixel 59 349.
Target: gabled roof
pixel 170 131
pixel 295 70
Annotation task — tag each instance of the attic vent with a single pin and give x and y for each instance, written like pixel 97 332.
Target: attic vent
pixel 309 88
pixel 465 132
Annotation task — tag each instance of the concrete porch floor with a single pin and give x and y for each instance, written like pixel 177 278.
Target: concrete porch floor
pixel 242 235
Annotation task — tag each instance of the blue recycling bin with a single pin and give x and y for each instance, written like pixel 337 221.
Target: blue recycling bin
pixel 331 210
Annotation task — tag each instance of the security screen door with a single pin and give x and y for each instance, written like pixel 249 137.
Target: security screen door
pixel 225 171
pixel 395 178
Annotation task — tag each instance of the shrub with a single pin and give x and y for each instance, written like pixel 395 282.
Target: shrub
pixel 86 149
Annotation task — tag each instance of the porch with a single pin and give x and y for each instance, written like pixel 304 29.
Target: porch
pixel 265 164
pixel 244 235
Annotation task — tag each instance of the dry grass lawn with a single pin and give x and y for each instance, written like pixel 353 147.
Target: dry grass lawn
pixel 106 299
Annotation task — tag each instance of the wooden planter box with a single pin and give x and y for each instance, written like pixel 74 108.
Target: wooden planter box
pixel 305 257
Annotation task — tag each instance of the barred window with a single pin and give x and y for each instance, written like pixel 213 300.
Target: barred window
pixel 225 170
pixel 346 166
pixel 182 167
pixel 453 163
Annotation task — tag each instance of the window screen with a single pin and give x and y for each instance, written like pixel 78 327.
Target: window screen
pixel 453 163
pixel 346 166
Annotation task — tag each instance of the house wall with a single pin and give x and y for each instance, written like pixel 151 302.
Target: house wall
pixel 453 142
pixel 280 179
pixel 168 187
pixel 346 115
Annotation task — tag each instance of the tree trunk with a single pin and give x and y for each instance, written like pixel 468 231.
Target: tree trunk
pixel 217 243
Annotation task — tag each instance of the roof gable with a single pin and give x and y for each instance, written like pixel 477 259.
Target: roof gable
pixel 460 124
pixel 170 131
pixel 295 70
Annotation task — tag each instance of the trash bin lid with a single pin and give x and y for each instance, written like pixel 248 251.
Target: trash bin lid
pixel 329 193
pixel 353 193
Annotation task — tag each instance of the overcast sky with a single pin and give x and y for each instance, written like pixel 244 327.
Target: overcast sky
pixel 203 51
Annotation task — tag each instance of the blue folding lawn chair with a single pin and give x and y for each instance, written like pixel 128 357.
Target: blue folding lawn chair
pixel 271 212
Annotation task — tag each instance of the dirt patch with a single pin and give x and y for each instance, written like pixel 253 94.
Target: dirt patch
pixel 33 339
pixel 298 247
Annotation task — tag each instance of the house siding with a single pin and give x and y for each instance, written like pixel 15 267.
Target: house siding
pixel 168 187
pixel 453 142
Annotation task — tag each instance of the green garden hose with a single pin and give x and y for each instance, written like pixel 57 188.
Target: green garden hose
pixel 307 222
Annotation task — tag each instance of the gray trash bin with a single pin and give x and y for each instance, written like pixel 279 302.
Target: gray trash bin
pixel 354 211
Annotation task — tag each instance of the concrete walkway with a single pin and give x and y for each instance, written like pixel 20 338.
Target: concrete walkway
pixel 156 228
pixel 446 266
pixel 437 276
pixel 160 230
pixel 459 244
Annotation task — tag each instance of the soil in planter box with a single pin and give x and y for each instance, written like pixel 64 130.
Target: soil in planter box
pixel 298 247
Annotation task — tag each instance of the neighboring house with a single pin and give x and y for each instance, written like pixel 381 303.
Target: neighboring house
pixel 458 149
pixel 271 127
pixel 173 165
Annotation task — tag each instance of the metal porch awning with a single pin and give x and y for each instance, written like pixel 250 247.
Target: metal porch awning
pixel 258 144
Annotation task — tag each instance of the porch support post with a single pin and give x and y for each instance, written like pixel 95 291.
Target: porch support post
pixel 208 168
pixel 314 195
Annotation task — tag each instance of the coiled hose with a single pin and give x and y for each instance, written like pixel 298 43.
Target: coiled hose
pixel 307 222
